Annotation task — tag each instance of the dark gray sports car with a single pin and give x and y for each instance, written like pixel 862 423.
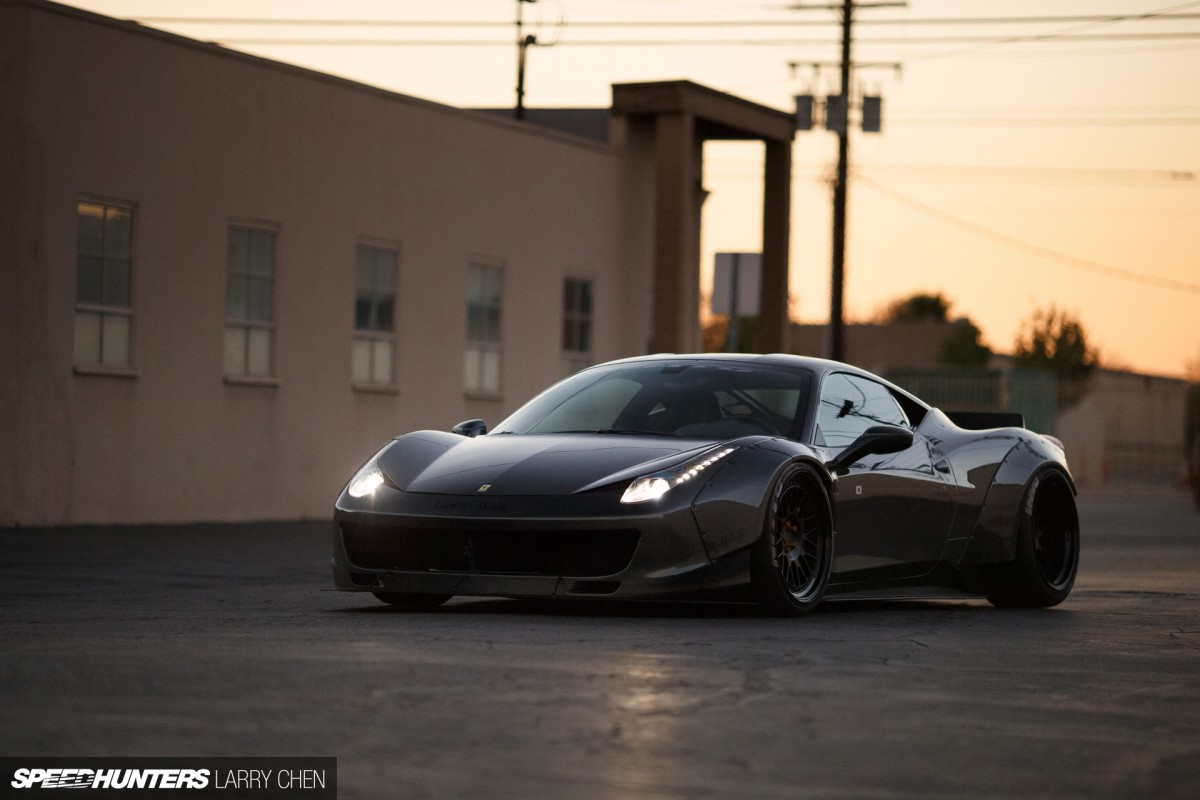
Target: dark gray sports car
pixel 776 478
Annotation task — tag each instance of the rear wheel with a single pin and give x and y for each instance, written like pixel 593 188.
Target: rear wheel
pixel 791 562
pixel 412 602
pixel 1047 548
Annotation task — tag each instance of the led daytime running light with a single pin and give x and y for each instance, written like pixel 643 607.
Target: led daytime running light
pixel 652 487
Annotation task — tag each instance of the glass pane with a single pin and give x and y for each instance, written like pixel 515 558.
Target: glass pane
pixel 585 336
pixel 493 287
pixel 115 341
pixel 116 283
pixel 258 353
pixel 362 311
pixel 260 299
pixel 89 280
pixel 476 324
pixel 385 270
pixel 89 236
pixel 383 312
pixel 235 351
pixel 475 284
pixel 491 372
pixel 568 338
pixel 471 369
pixel 87 338
pixel 236 301
pixel 585 297
pixel 381 362
pixel 118 233
pixel 568 296
pixel 360 361
pixel 262 252
pixel 238 254
pixel 850 405
pixel 492 331
pixel 363 269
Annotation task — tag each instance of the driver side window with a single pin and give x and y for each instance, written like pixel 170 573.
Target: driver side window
pixel 850 405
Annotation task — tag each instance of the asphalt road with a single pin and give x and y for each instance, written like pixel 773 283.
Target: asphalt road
pixel 219 641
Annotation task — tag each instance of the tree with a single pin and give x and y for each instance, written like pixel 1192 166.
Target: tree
pixel 715 332
pixel 916 307
pixel 1054 339
pixel 962 347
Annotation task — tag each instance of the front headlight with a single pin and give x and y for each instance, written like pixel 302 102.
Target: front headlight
pixel 365 483
pixel 654 486
pixel 368 478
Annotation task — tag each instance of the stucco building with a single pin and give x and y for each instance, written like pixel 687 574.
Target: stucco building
pixel 226 280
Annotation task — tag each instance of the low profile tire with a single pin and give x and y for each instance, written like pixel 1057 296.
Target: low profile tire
pixel 791 561
pixel 1047 548
pixel 412 602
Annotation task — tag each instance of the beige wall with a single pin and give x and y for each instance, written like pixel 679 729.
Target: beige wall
pixel 1127 428
pixel 195 137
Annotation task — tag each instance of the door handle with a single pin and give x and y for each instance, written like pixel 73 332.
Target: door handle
pixel 942 466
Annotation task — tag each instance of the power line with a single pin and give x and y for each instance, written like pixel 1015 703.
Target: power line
pixel 1063 34
pixel 1044 122
pixel 316 41
pixel 1013 242
pixel 679 23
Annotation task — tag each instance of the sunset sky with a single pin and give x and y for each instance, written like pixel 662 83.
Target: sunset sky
pixel 1020 165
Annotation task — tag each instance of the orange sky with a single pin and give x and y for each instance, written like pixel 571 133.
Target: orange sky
pixel 1011 175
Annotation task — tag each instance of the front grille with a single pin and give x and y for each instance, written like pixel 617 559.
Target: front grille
pixel 580 554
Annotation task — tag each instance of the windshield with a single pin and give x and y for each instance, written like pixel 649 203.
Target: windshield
pixel 690 400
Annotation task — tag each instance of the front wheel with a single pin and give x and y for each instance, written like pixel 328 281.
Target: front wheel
pixel 791 561
pixel 408 601
pixel 1047 548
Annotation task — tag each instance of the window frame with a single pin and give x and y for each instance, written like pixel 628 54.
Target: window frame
pixel 103 310
pixel 248 325
pixel 476 385
pixel 374 336
pixel 577 322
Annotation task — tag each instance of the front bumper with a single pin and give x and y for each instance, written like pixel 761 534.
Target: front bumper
pixel 586 545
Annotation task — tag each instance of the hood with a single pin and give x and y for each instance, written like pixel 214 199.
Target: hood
pixel 434 462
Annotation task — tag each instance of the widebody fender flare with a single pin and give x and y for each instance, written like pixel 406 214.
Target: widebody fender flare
pixel 994 538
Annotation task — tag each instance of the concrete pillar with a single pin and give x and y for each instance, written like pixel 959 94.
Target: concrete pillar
pixel 676 235
pixel 773 327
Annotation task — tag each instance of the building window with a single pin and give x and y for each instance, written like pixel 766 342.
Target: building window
pixel 577 322
pixel 249 302
pixel 103 285
pixel 374 315
pixel 484 301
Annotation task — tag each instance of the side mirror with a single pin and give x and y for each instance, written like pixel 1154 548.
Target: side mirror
pixel 876 440
pixel 471 428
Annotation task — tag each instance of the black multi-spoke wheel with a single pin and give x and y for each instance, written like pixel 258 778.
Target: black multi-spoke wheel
pixel 1047 547
pixel 412 602
pixel 791 562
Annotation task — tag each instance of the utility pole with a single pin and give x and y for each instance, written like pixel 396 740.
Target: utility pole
pixel 523 43
pixel 837 345
pixel 837 119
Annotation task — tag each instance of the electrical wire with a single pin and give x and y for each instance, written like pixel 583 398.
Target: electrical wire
pixel 664 23
pixel 1129 276
pixel 316 41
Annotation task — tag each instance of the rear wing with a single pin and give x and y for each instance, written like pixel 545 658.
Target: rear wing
pixel 985 420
